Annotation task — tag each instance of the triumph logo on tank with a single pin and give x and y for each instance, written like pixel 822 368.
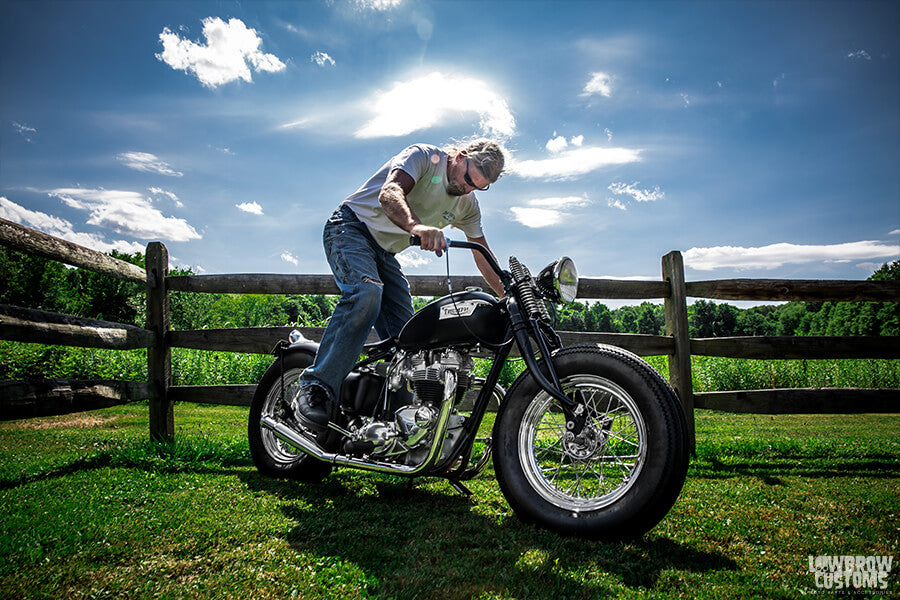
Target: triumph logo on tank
pixel 460 309
pixel 850 573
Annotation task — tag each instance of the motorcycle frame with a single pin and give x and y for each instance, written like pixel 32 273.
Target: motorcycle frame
pixel 522 330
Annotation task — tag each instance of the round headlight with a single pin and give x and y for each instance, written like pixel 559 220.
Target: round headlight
pixel 559 280
pixel 566 276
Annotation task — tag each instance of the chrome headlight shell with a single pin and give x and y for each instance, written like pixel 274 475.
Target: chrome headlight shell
pixel 559 280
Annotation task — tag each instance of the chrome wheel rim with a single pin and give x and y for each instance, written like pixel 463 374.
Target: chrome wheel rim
pixel 278 450
pixel 594 469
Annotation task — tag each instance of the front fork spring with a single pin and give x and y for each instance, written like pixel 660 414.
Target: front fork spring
pixel 522 276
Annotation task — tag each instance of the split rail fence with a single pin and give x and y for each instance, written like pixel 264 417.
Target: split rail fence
pixel 24 399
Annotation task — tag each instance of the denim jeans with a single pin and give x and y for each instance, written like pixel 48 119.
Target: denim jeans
pixel 374 291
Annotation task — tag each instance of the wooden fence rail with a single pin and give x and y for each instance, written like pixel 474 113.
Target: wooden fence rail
pixel 25 399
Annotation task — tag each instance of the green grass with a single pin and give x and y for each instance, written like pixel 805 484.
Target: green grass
pixel 93 510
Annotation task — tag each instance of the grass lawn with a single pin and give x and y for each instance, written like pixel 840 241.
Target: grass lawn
pixel 92 510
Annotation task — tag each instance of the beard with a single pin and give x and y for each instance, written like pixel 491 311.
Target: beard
pixel 454 189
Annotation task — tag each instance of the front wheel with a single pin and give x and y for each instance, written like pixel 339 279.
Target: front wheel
pixel 618 475
pixel 271 456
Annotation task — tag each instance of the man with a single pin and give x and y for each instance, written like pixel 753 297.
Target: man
pixel 418 192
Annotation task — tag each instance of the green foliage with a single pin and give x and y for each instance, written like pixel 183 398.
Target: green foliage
pixel 38 283
pixel 43 284
pixel 25 361
pixel 712 374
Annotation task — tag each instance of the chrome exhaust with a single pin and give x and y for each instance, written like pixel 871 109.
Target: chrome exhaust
pixel 307 445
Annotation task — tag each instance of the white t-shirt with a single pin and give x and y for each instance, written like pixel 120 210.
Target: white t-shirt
pixel 428 200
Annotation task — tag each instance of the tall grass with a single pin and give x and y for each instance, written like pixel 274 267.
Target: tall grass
pixel 712 373
pixel 189 367
pixel 200 367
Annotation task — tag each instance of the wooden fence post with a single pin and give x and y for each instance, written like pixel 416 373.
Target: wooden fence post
pixel 159 356
pixel 677 327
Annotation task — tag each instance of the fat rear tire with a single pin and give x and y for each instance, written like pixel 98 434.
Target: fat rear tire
pixel 272 457
pixel 621 475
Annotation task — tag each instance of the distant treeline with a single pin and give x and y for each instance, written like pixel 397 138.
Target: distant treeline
pixel 34 282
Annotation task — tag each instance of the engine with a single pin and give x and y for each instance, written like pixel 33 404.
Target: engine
pixel 406 433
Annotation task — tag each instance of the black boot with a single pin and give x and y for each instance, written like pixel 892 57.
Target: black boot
pixel 312 408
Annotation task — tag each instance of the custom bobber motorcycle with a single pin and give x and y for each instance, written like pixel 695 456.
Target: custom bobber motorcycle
pixel 589 440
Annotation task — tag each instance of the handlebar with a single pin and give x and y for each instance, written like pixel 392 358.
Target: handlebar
pixel 415 240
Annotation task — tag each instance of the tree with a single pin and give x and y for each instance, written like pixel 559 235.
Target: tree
pixel 702 318
pixel 888 313
pixel 650 318
pixel 599 318
pixel 789 318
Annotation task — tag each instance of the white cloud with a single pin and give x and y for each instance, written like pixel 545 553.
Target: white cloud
pixel 859 54
pixel 615 204
pixel 560 202
pixel 536 217
pixel 299 124
pixel 436 98
pixel 379 4
pixel 148 163
pixel 895 232
pixel 288 257
pixel 600 83
pixel 410 258
pixel 556 144
pixel 777 255
pixel 321 59
pixel 573 163
pixel 171 196
pixel 126 213
pixel 250 207
pixel 24 130
pixel 559 143
pixel 609 134
pixel 223 58
pixel 545 212
pixel 61 228
pixel 635 192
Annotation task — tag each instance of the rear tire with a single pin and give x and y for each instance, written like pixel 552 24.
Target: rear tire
pixel 272 457
pixel 621 475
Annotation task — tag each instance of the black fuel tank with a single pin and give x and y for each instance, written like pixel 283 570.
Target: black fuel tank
pixel 462 318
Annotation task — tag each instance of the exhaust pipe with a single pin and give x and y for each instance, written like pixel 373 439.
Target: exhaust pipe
pixel 310 447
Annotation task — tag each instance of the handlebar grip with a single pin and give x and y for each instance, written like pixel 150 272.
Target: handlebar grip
pixel 415 240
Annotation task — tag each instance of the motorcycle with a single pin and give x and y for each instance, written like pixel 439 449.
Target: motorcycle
pixel 588 441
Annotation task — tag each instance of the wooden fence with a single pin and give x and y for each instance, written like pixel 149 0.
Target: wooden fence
pixel 28 399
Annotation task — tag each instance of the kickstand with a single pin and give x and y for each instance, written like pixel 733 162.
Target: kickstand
pixel 460 487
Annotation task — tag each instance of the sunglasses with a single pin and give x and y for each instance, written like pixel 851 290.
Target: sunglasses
pixel 471 183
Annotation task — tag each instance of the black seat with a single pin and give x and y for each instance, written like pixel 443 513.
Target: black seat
pixel 380 346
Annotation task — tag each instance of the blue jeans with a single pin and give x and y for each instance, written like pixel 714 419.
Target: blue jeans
pixel 374 291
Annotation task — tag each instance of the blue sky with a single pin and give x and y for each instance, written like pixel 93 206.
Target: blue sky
pixel 762 139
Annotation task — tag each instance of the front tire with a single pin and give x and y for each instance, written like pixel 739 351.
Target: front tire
pixel 272 457
pixel 621 474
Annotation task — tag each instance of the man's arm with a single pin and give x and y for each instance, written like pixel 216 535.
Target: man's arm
pixel 486 271
pixel 393 200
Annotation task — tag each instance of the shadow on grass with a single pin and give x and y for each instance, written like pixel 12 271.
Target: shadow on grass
pixel 413 541
pixel 772 469
pixel 145 456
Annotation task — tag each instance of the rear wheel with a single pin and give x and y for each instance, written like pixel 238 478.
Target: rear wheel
pixel 271 456
pixel 618 475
